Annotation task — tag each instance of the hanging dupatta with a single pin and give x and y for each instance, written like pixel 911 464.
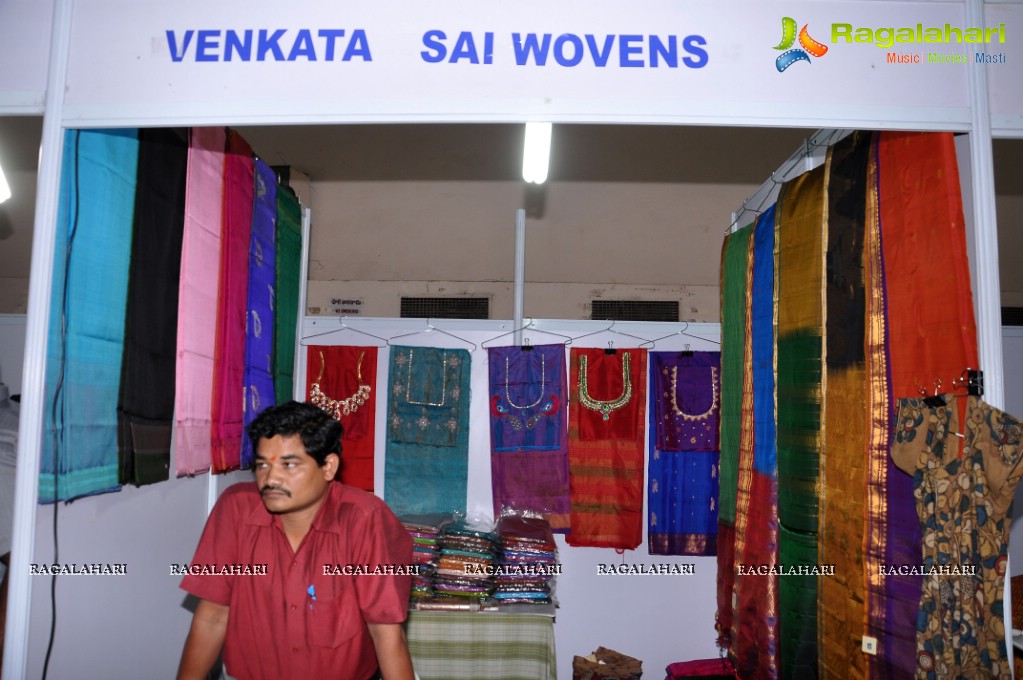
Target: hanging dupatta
pixel 343 381
pixel 288 262
pixel 145 411
pixel 734 265
pixel 755 628
pixel 197 299
pixel 258 382
pixel 92 251
pixel 682 490
pixel 800 285
pixel 842 612
pixel 529 431
pixel 229 354
pixel 427 460
pixel 924 291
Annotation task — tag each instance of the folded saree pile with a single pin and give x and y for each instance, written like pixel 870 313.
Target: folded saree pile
pixel 425 532
pixel 528 563
pixel 466 564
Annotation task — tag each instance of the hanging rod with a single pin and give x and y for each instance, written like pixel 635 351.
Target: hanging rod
pixel 766 192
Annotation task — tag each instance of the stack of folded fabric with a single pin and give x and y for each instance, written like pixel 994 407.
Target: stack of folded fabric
pixel 425 531
pixel 466 565
pixel 528 563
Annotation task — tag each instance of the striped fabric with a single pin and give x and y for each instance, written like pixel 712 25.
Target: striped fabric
pixel 482 646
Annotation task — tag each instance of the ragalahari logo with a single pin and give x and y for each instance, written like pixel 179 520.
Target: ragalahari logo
pixel 807 46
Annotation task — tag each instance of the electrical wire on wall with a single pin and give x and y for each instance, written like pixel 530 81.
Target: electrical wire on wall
pixel 58 409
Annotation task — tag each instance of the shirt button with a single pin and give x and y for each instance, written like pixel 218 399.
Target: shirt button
pixel 294 650
pixel 294 607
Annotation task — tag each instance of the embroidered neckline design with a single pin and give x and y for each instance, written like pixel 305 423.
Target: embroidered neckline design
pixel 713 404
pixel 543 384
pixel 443 386
pixel 342 407
pixel 605 407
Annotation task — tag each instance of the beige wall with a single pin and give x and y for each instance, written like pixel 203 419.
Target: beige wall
pixel 407 210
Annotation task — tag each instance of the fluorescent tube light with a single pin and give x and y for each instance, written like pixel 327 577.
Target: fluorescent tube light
pixel 5 189
pixel 536 152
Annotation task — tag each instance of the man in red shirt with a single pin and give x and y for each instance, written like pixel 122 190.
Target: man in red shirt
pixel 299 576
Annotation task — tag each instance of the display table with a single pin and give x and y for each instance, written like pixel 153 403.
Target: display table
pixel 452 645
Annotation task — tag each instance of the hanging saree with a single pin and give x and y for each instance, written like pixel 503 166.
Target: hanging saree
pixel 841 599
pixel 682 491
pixel 145 411
pixel 343 382
pixel 529 431
pixel 605 447
pixel 229 354
pixel 755 634
pixel 931 336
pixel 258 382
pixel 734 266
pixel 427 453
pixel 288 262
pixel 197 299
pixel 800 282
pixel 85 342
pixel 965 472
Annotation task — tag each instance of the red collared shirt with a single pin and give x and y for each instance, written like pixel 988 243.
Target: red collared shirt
pixel 302 619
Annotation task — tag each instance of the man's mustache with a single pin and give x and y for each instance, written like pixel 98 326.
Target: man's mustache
pixel 269 488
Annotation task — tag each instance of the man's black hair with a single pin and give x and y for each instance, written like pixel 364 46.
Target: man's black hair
pixel 320 433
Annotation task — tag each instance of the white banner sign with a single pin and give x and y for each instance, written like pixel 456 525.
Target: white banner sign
pixel 832 64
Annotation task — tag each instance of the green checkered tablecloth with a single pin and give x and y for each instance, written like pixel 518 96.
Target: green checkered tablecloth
pixel 482 646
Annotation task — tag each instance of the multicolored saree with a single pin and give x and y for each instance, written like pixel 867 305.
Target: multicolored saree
pixel 734 278
pixel 529 431
pixel 924 292
pixel 800 282
pixel 682 490
pixel 755 628
pixel 605 447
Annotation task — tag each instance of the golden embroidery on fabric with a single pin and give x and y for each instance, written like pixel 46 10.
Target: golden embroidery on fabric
pixel 605 407
pixel 715 401
pixel 342 407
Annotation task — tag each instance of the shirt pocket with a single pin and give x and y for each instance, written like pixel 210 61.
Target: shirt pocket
pixel 334 622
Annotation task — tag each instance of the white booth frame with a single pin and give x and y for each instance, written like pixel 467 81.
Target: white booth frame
pixel 975 118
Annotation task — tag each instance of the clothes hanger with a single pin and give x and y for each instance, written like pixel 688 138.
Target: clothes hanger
pixel 682 331
pixel 344 327
pixel 610 345
pixel 526 346
pixel 429 329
